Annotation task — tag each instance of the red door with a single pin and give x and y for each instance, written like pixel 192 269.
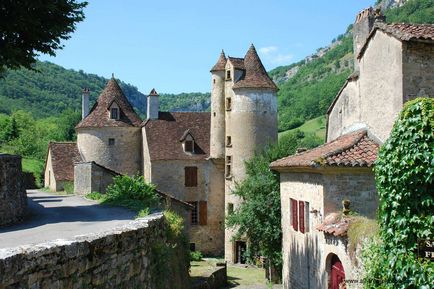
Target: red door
pixel 337 274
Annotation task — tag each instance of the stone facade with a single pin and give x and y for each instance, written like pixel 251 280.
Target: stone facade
pixel 391 72
pixel 91 177
pixel 122 258
pixel 307 255
pixel 116 148
pixel 13 196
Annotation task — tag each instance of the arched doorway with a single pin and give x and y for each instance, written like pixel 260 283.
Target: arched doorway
pixel 337 273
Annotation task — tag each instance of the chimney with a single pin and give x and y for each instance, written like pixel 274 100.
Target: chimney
pixel 85 102
pixel 153 106
pixel 362 27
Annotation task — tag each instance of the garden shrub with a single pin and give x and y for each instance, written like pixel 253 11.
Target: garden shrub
pixel 404 175
pixel 196 256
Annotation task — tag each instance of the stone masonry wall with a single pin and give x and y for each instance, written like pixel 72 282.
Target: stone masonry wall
pixel 13 198
pixel 122 258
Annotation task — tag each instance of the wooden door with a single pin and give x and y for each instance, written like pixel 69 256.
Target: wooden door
pixel 337 274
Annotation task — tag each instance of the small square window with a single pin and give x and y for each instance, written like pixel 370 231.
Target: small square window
pixel 114 113
pixel 228 160
pixel 228 103
pixel 228 141
pixel 111 141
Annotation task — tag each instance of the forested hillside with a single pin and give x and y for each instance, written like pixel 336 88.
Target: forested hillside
pixel 308 87
pixel 54 89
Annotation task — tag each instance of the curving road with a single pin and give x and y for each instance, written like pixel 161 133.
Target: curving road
pixel 53 217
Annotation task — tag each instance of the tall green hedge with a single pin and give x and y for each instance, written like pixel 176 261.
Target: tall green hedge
pixel 404 175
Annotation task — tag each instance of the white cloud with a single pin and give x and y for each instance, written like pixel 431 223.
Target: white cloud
pixel 272 55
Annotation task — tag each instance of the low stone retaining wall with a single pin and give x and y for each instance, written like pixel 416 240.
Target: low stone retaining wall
pixel 218 279
pixel 121 258
pixel 13 198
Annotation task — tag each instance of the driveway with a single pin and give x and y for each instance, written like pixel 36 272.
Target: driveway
pixel 53 217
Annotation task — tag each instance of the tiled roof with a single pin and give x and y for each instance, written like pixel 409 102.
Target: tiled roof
pixel 163 135
pixel 335 224
pixel 354 149
pixel 255 75
pixel 99 115
pixel 63 157
pixel 153 92
pixel 403 32
pixel 238 63
pixel 221 63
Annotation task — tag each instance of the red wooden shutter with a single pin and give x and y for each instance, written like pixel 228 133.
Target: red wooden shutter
pixel 301 215
pixel 190 176
pixel 294 214
pixel 203 212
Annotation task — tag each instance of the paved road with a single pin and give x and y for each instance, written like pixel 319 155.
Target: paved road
pixel 60 217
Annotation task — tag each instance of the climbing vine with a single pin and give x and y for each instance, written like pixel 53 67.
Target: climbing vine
pixel 404 175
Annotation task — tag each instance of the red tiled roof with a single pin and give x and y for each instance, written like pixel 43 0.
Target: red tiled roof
pixel 99 115
pixel 221 63
pixel 354 149
pixel 335 224
pixel 238 63
pixel 403 32
pixel 255 75
pixel 163 135
pixel 63 157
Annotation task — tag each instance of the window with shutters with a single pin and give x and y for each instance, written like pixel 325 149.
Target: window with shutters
pixel 301 216
pixel 190 176
pixel 294 214
pixel 194 213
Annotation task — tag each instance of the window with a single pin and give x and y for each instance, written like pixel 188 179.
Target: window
pixel 193 213
pixel 228 75
pixel 114 113
pixel 294 214
pixel 192 247
pixel 228 159
pixel 228 171
pixel 190 176
pixel 228 141
pixel 213 81
pixel 228 103
pixel 299 215
pixel 189 146
pixel 111 141
pixel 199 213
pixel 230 208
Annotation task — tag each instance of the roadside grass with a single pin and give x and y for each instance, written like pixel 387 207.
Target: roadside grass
pixel 316 126
pixel 34 166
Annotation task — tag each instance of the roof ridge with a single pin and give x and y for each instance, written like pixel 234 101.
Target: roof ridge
pixel 363 133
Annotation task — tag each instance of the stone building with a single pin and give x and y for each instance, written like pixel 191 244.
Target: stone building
pixel 59 165
pixel 393 64
pixel 196 157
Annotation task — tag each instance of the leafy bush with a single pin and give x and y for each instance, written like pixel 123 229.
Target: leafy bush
pixel 195 256
pixel 404 174
pixel 68 187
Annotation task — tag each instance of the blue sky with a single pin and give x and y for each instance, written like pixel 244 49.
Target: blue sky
pixel 171 45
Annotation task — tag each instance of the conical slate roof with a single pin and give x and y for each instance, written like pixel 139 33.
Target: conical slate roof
pixel 221 63
pixel 255 75
pixel 153 92
pixel 99 115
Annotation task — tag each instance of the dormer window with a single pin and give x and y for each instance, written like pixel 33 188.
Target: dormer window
pixel 188 142
pixel 114 111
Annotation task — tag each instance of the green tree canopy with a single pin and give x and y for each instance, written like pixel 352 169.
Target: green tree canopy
pixel 29 27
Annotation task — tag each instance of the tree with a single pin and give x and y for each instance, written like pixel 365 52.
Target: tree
pixel 259 216
pixel 29 27
pixel 404 174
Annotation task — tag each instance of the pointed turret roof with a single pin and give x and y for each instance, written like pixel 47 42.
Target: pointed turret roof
pixel 153 92
pixel 99 115
pixel 255 75
pixel 221 62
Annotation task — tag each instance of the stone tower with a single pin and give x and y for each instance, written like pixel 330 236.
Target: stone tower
pixel 362 27
pixel 111 134
pixel 244 97
pixel 217 142
pixel 153 105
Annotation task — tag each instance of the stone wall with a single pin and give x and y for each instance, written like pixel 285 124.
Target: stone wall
pixel 13 198
pixel 90 177
pixel 216 279
pixel 122 258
